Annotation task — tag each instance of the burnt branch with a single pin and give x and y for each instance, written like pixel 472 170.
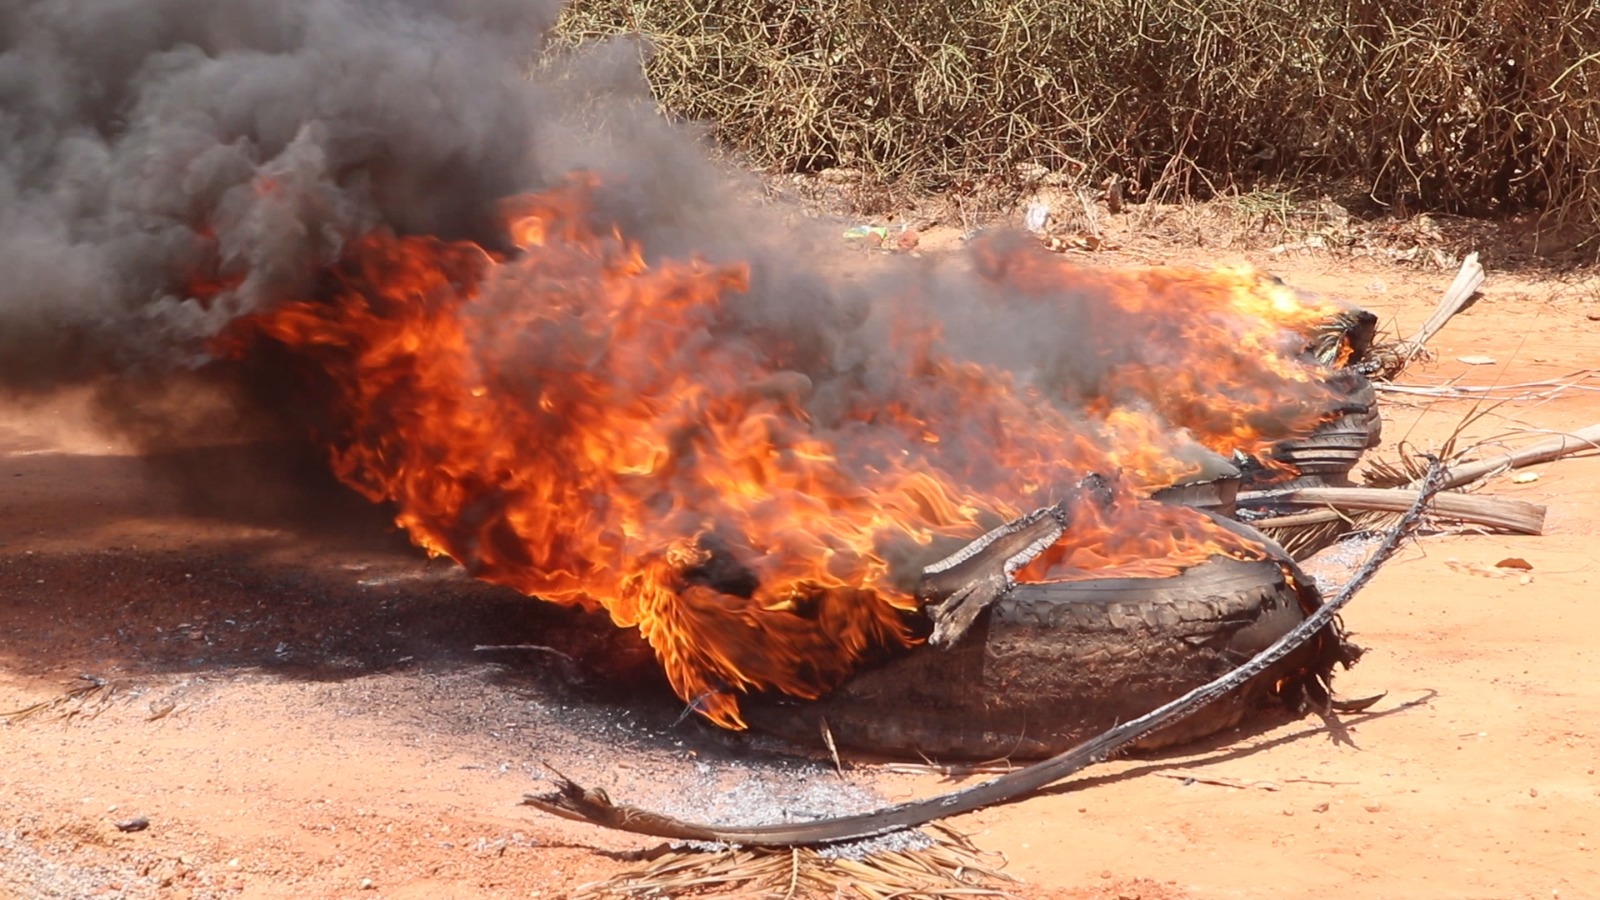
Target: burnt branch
pixel 956 589
pixel 959 587
pixel 573 801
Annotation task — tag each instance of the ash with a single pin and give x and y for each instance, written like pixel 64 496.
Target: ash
pixel 776 791
pixel 39 866
pixel 1330 569
pixel 895 842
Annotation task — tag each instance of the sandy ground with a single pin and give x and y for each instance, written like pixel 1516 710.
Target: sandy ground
pixel 295 705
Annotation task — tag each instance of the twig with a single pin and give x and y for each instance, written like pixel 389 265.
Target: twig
pixel 833 748
pixel 89 698
pixel 1466 391
pixel 1219 781
pixel 949 770
pixel 573 801
pixel 481 648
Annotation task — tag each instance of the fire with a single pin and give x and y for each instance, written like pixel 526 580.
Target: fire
pixel 591 429
pixel 1212 352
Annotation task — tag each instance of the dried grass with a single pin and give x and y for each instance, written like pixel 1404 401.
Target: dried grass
pixel 87 697
pixel 949 867
pixel 1472 106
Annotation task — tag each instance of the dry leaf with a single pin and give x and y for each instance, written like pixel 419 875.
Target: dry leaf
pixel 1524 477
pixel 1513 562
pixel 1476 360
pixel 1479 569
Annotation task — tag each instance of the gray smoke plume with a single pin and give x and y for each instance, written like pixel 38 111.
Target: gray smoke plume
pixel 154 149
pixel 167 166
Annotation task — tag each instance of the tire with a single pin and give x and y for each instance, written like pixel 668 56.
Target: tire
pixel 1215 488
pixel 1053 664
pixel 1326 457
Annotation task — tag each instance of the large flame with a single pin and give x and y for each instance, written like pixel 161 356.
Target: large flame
pixel 587 428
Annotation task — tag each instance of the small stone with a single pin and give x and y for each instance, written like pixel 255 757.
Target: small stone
pixel 1533 792
pixel 367 884
pixel 137 823
pixel 1374 807
pixel 1320 807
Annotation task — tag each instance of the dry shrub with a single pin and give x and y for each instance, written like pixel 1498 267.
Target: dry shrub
pixel 1471 106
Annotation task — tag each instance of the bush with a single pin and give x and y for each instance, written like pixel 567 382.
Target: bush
pixel 1470 106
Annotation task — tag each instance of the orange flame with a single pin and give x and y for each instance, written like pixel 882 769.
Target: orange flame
pixel 1211 352
pixel 581 426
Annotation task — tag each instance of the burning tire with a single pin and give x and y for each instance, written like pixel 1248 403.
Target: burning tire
pixel 1215 488
pixel 1055 663
pixel 1325 457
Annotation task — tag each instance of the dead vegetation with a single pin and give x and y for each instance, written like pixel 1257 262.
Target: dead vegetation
pixel 87 696
pixel 944 865
pixel 1481 107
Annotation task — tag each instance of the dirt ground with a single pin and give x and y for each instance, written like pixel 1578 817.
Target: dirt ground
pixel 296 706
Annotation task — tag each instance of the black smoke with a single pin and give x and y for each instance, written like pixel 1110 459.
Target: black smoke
pixel 167 166
pixel 153 149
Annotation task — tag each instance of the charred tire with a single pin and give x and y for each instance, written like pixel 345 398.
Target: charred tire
pixel 1056 663
pixel 1325 457
pixel 1214 488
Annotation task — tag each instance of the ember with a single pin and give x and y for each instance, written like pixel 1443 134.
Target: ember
pixel 589 428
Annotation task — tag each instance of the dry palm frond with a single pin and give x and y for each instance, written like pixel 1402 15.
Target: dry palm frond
pixel 1342 339
pixel 89 696
pixel 1390 360
pixel 943 865
pixel 1406 467
pixel 1386 361
pixel 1308 534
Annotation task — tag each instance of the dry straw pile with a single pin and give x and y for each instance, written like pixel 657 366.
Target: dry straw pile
pixel 1473 106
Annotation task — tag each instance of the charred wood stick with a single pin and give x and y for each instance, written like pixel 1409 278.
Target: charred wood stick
pixel 956 589
pixel 1516 516
pixel 1542 451
pixel 571 800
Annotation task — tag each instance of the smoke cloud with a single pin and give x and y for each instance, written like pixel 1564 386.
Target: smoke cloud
pixel 167 166
pixel 156 149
